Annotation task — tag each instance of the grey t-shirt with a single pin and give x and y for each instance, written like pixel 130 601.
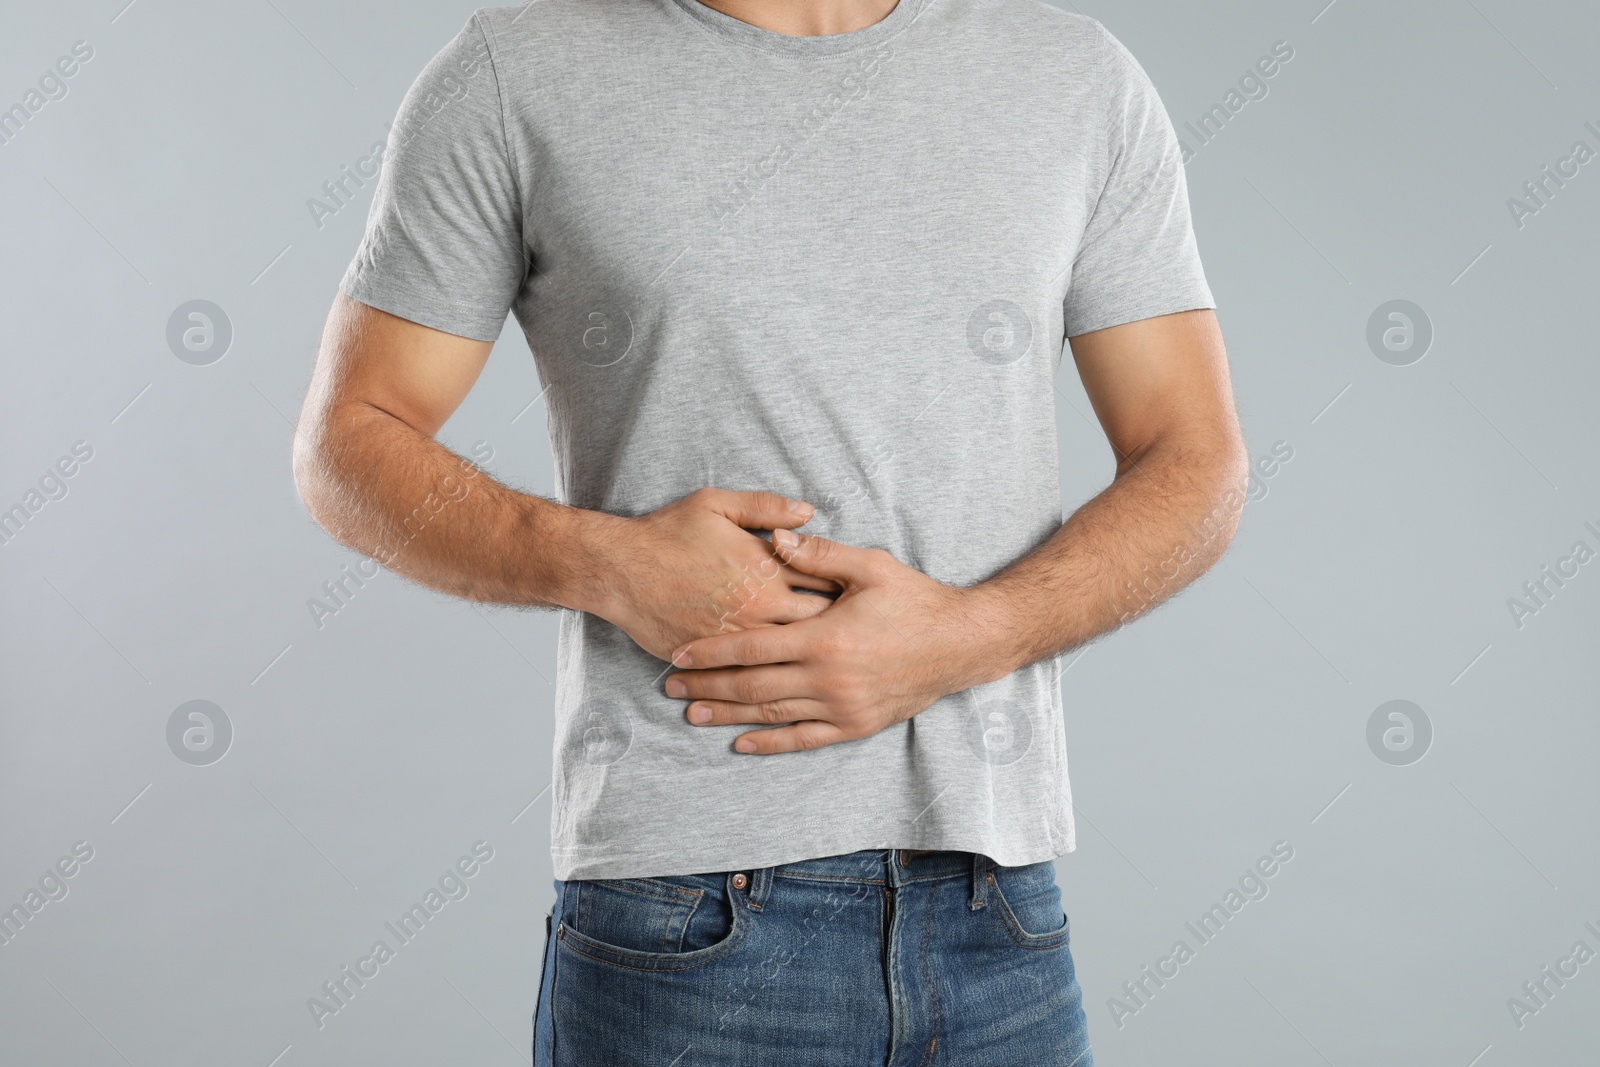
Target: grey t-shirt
pixel 838 268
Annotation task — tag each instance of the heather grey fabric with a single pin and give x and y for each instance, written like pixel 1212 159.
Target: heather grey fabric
pixel 837 268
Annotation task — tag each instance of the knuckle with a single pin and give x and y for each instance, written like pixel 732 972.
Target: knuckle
pixel 809 739
pixel 828 645
pixel 849 730
pixel 850 694
pixel 770 711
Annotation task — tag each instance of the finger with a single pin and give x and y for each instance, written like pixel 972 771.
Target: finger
pixel 823 558
pixel 758 511
pixel 800 579
pixel 779 609
pixel 744 685
pixel 728 713
pixel 745 648
pixel 813 733
pixel 797 607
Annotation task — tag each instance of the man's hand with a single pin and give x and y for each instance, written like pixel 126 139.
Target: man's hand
pixel 692 569
pixel 894 642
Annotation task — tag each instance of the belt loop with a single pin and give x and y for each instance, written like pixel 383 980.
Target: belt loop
pixel 980 874
pixel 760 886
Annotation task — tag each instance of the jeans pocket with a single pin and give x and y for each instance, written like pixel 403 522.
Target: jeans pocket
pixel 1028 902
pixel 653 923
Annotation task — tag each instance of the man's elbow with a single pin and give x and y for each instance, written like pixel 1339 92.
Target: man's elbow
pixel 1229 480
pixel 311 460
pixel 1215 463
pixel 1211 451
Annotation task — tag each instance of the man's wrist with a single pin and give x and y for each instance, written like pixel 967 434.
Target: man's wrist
pixel 573 553
pixel 981 643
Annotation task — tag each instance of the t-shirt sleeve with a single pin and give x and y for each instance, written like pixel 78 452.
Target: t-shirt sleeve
pixel 1138 256
pixel 443 244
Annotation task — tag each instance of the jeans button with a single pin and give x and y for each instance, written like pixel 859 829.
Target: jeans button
pixel 740 881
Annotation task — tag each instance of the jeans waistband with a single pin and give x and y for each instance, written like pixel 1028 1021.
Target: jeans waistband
pixel 880 866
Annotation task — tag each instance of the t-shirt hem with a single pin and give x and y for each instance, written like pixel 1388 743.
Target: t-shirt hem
pixel 1120 316
pixel 595 863
pixel 459 319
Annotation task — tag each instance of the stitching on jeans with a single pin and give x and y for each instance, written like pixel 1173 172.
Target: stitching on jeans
pixel 927 976
pixel 826 877
pixel 1023 939
pixel 650 888
pixel 912 880
pixel 565 935
pixel 871 881
pixel 555 974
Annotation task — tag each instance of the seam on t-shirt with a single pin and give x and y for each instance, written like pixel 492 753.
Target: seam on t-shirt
pixel 798 57
pixel 1103 77
pixel 404 300
pixel 1132 201
pixel 1138 310
pixel 1105 105
pixel 416 295
pixel 480 19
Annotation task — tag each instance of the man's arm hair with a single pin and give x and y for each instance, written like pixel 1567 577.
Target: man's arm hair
pixel 897 640
pixel 370 472
pixel 1161 390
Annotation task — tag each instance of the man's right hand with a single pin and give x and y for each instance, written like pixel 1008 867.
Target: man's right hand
pixel 692 569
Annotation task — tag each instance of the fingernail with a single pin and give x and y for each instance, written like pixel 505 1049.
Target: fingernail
pixel 744 744
pixel 800 507
pixel 682 658
pixel 676 688
pixel 699 714
pixel 785 538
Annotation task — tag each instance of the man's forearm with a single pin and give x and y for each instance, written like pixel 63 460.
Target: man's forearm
pixel 388 491
pixel 1157 527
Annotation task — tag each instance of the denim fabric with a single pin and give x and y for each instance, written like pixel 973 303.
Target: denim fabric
pixel 888 958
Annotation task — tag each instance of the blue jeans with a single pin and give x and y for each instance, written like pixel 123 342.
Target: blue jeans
pixel 888 958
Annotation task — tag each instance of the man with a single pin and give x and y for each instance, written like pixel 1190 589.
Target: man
pixel 783 264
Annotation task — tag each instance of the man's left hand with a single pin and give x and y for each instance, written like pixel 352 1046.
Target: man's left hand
pixel 892 643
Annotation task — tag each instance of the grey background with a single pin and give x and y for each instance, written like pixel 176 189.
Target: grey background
pixel 369 754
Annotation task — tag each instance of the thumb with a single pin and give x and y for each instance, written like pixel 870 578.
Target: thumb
pixel 759 511
pixel 823 558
